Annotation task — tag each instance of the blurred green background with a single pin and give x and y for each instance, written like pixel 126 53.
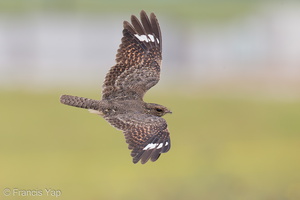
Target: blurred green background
pixel 232 137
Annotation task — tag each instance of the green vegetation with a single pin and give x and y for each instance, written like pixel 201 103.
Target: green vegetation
pixel 188 9
pixel 222 148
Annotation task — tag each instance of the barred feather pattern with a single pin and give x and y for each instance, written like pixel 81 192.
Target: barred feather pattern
pixel 147 135
pixel 138 60
pixel 80 102
pixel 137 69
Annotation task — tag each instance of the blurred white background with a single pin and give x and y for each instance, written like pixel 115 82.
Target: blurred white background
pixel 257 47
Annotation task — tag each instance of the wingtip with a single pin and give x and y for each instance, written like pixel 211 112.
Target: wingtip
pixel 152 15
pixel 143 12
pixel 144 159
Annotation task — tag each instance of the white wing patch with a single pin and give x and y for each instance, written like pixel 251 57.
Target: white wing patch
pixel 141 37
pixel 155 145
pixel 146 38
pixel 151 37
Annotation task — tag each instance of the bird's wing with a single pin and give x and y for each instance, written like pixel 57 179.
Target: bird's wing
pixel 138 60
pixel 147 135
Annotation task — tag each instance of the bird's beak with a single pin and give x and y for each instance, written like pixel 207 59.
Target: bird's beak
pixel 169 112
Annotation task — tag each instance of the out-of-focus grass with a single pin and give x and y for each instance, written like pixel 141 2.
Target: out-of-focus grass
pixel 190 9
pixel 222 148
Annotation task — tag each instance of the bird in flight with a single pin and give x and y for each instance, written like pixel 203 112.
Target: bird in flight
pixel 137 70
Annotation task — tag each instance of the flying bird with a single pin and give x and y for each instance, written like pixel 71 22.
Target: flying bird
pixel 137 69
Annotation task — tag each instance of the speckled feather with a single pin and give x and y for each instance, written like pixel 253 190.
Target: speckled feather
pixel 141 130
pixel 138 62
pixel 137 70
pixel 80 102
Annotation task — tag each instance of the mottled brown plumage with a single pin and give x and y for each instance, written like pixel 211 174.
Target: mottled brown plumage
pixel 137 70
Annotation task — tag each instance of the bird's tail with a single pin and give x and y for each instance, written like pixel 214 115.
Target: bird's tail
pixel 80 102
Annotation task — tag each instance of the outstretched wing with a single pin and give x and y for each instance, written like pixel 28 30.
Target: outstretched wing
pixel 147 135
pixel 138 60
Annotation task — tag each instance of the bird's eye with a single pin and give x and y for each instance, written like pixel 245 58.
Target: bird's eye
pixel 159 110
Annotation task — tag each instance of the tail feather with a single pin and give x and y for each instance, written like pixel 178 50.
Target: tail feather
pixel 80 102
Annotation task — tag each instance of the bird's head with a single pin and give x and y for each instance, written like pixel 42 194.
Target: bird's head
pixel 156 109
